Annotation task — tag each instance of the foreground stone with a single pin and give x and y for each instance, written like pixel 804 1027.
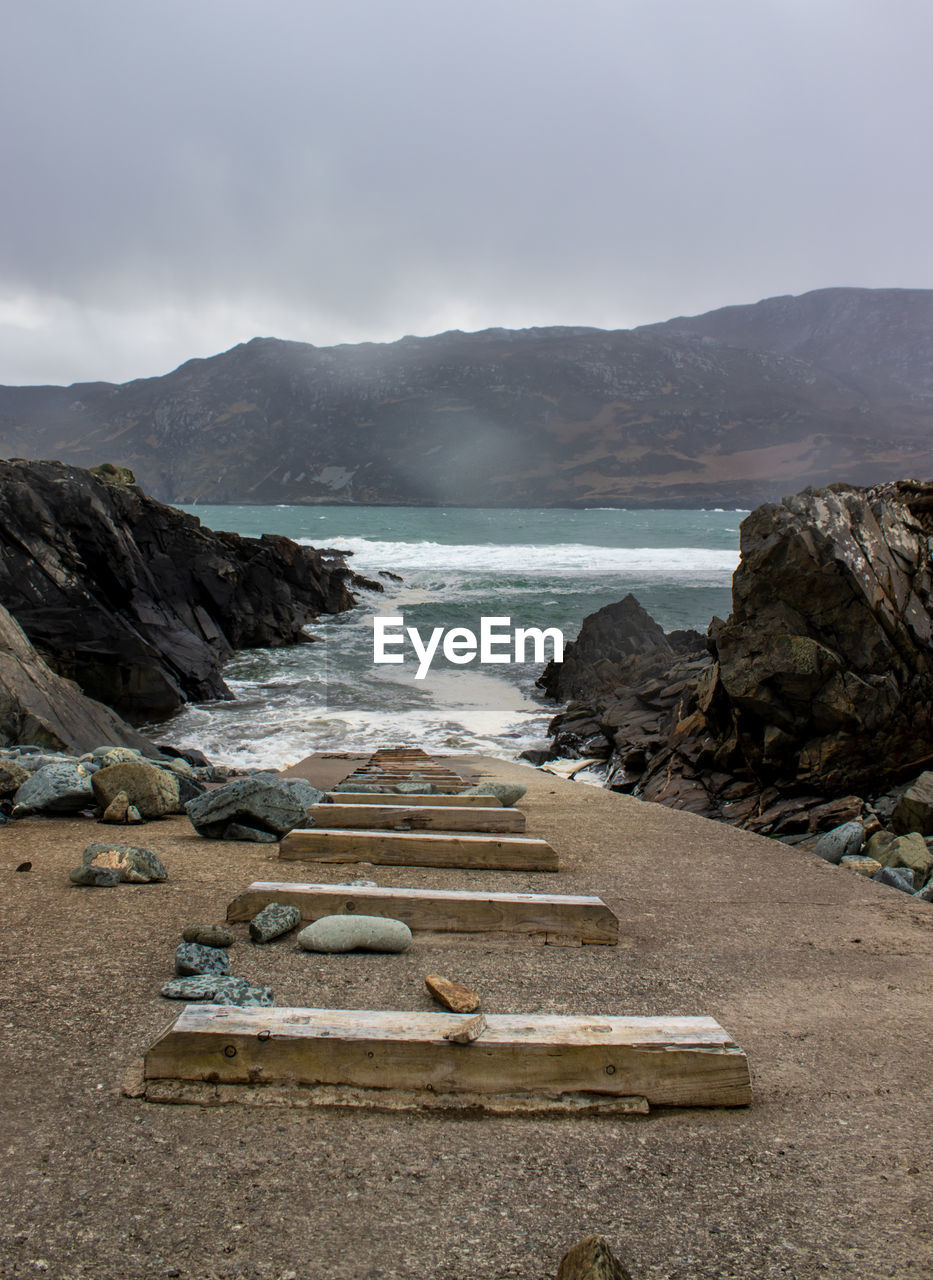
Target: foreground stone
pixel 216 989
pixel 355 933
pixel 275 919
pixel 452 995
pixel 191 958
pixel 841 842
pixel 255 804
pixel 56 788
pixel 133 865
pixel 591 1259
pixel 154 792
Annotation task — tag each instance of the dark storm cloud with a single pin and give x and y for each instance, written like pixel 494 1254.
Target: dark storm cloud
pixel 182 176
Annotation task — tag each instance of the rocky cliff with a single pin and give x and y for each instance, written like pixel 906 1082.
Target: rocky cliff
pixel 818 686
pixel 730 409
pixel 40 708
pixel 137 602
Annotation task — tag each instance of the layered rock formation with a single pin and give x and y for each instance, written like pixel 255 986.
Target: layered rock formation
pixel 816 691
pixel 37 706
pixel 136 601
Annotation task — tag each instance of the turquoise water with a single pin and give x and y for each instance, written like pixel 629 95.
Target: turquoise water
pixel 539 568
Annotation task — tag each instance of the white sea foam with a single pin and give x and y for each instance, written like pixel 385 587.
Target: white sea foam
pixel 522 559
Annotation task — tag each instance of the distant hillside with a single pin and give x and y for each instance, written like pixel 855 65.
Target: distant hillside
pixel 730 408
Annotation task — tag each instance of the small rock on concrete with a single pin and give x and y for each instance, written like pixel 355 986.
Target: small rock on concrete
pixel 95 877
pixel 355 933
pixel 134 865
pixel 507 793
pixel 217 989
pixel 451 994
pixel 151 790
pixel 591 1259
pixel 840 843
pixel 273 920
pixel 192 958
pixel 914 810
pixel 209 935
pixel 56 788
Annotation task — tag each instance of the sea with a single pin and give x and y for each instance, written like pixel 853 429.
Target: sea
pixel 454 566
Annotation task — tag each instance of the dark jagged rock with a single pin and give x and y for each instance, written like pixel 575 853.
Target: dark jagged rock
pixel 37 706
pixel 257 807
pixel 138 602
pixel 815 693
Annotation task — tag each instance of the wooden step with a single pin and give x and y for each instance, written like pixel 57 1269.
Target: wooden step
pixel 559 918
pixel 392 798
pixel 423 817
pixel 424 849
pixel 668 1061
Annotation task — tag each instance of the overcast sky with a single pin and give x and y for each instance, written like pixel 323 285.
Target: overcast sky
pixel 182 175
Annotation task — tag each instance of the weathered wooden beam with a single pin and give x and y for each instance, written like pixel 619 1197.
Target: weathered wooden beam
pixel 395 817
pixel 393 798
pixel 669 1061
pixel 421 849
pixel 584 919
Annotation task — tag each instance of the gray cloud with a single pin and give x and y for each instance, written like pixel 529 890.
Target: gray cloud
pixel 181 176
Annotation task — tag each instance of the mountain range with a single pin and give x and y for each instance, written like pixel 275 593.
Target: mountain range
pixel 731 408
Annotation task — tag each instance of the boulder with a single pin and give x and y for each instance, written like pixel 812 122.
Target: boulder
pixel 56 788
pixel 863 866
pixel 134 865
pixel 914 810
pixel 152 791
pixel 895 879
pixel 256 805
pixel 12 777
pixel 840 843
pixel 355 933
pixel 908 851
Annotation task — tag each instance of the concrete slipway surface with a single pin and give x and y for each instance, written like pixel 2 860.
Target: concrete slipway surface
pixel 823 978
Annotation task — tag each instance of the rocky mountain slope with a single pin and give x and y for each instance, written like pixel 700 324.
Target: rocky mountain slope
pixel 732 408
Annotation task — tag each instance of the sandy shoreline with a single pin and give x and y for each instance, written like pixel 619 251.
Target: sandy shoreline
pixel 822 978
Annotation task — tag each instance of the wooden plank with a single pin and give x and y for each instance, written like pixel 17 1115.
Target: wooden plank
pixel 586 919
pixel 670 1061
pixel 394 817
pixel 421 849
pixel 391 797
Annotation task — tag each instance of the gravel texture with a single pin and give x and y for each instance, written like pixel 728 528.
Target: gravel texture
pixel 821 975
